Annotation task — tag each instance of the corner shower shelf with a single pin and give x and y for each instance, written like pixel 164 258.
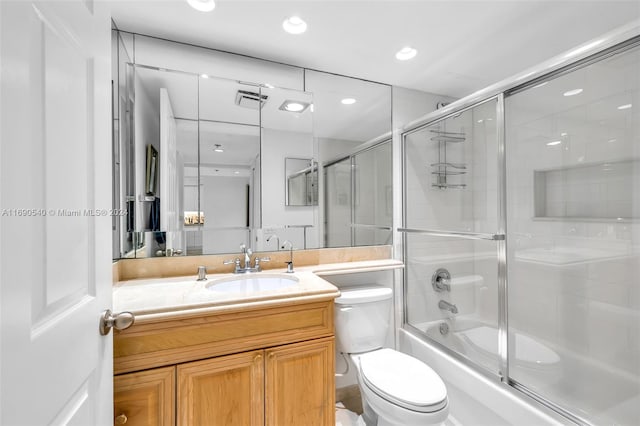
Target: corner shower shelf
pixel 442 169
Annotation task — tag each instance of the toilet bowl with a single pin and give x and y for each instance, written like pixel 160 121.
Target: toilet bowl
pixel 531 361
pixel 397 389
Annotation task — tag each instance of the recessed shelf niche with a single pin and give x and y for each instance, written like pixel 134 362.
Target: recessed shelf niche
pixel 590 191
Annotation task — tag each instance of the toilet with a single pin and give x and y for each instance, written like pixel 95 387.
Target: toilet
pixel 397 389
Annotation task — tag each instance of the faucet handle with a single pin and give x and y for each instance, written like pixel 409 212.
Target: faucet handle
pixel 258 261
pixel 235 261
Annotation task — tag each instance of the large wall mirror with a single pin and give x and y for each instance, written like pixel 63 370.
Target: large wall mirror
pixel 206 164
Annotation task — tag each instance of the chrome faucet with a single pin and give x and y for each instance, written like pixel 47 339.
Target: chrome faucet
pixel 277 240
pixel 247 255
pixel 247 252
pixel 290 262
pixel 446 306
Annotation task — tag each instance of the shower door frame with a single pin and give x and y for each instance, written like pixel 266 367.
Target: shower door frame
pixel 352 187
pixel 613 43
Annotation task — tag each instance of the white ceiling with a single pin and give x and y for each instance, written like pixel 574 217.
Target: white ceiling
pixel 462 46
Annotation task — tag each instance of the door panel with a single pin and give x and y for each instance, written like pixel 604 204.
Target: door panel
pixel 145 398
pixel 224 391
pixel 300 388
pixel 55 224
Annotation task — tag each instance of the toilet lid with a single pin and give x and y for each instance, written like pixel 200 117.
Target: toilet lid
pixel 403 380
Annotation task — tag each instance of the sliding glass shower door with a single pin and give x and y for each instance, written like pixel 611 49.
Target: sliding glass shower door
pixel 573 213
pixel 452 232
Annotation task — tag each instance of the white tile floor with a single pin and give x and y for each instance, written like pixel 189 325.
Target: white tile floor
pixel 344 417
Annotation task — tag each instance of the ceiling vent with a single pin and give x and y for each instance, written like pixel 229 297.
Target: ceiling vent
pixel 251 100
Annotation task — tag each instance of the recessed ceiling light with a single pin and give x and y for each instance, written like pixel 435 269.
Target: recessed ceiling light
pixel 348 101
pixel 218 148
pixel 573 92
pixel 625 106
pixel 294 106
pixel 554 143
pixel 406 53
pixel 202 5
pixel 294 25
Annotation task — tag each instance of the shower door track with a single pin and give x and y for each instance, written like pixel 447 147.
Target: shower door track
pixel 454 234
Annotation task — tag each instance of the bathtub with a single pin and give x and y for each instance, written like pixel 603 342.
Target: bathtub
pixel 476 398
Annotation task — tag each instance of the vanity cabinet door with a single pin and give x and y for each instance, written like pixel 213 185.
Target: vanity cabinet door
pixel 145 398
pixel 300 388
pixel 222 391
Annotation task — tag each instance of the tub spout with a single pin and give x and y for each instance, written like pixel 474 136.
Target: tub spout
pixel 444 305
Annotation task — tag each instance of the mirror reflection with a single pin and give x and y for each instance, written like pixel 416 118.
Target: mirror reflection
pixel 301 182
pixel 211 163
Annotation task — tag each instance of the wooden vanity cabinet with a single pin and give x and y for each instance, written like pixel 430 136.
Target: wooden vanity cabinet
pixel 283 375
pixel 227 390
pixel 299 384
pixel 145 398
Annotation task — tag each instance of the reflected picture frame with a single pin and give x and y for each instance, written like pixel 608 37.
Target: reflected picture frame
pixel 152 170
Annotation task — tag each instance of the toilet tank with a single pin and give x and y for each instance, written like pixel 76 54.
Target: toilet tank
pixel 362 318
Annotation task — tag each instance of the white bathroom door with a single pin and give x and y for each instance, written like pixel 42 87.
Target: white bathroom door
pixel 171 208
pixel 55 226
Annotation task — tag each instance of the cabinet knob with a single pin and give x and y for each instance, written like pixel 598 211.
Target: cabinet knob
pixel 121 419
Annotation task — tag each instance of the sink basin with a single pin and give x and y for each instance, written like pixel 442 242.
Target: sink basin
pixel 252 283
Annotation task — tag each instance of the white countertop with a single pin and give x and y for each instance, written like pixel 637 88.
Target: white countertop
pixel 154 298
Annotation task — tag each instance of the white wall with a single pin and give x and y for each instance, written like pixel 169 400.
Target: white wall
pixel 276 145
pixel 224 205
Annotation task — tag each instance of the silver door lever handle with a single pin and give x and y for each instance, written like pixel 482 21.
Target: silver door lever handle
pixel 121 321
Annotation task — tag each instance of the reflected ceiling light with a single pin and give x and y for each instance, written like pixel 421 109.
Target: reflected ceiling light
pixel 564 134
pixel 406 53
pixel 348 101
pixel 554 143
pixel 584 48
pixel 294 25
pixel 204 76
pixel 269 86
pixel 625 106
pixel 522 77
pixel 544 83
pixel 236 172
pixel 294 106
pixel 202 5
pixel 218 148
pixel 480 121
pixel 311 108
pixel 612 140
pixel 572 92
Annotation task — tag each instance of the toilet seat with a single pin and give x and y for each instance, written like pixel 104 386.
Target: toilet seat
pixel 403 380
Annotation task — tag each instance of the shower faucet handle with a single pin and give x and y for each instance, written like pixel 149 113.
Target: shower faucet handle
pixel 441 280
